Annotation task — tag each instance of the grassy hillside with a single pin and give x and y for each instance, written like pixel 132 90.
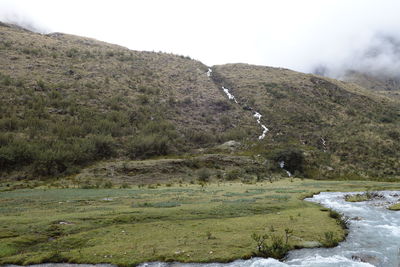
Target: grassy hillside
pixel 67 102
pixel 344 129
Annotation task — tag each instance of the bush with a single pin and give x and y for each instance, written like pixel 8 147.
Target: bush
pixel 73 52
pixel 200 137
pixel 233 175
pixel 143 99
pixel 204 174
pixel 10 124
pixel 144 146
pixel 16 152
pixel 329 240
pixel 278 246
pixel 236 134
pixel 108 184
pixel 103 146
pixel 41 84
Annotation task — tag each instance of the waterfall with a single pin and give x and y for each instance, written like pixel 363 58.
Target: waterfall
pixel 256 114
pixel 282 165
pixel 209 72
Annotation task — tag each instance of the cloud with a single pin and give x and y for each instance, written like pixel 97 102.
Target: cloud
pixel 304 35
pixel 11 13
pixel 380 56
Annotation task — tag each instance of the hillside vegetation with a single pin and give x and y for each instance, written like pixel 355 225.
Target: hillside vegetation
pixel 67 102
pixel 342 129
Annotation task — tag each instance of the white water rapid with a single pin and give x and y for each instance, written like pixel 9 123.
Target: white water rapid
pixel 230 96
pixel 282 165
pixel 265 129
pixel 209 72
pixel 373 240
pixel 323 144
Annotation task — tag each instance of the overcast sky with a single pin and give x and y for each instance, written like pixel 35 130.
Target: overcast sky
pixel 295 34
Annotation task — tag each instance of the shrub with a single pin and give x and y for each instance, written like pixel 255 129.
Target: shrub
pixel 9 124
pixel 103 146
pixel 277 247
pixel 73 52
pixel 340 219
pixel 16 152
pixel 233 175
pixel 204 174
pixel 144 146
pixel 143 99
pixel 41 84
pixel 395 135
pixel 200 137
pixel 225 121
pixel 124 186
pixel 6 80
pixel 237 134
pixel 329 240
pixel 108 184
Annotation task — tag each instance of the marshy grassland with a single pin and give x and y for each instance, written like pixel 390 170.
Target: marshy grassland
pixel 175 222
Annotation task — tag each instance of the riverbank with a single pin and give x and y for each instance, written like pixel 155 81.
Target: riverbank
pixel 183 222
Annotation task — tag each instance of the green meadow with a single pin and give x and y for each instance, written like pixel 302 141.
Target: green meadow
pixel 182 222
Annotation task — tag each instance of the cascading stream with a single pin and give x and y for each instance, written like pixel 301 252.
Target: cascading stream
pixel 256 114
pixel 282 165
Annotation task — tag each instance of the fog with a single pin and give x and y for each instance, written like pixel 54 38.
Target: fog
pixel 328 37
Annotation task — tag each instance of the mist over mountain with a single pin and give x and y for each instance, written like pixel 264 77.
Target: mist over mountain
pixel 23 21
pixel 379 58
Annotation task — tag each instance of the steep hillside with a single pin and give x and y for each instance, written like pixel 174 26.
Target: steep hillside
pixel 342 127
pixel 67 102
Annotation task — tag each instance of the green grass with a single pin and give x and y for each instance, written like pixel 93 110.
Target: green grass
pixel 357 197
pixel 129 226
pixel 361 197
pixel 394 206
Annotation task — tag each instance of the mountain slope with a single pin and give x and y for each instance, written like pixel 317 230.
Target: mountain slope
pixel 344 125
pixel 69 101
pixel 387 85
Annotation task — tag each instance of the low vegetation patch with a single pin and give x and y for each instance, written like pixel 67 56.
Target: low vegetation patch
pixel 272 244
pixel 362 197
pixel 394 206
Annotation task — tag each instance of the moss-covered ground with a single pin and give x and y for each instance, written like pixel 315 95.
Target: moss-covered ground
pixel 187 222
